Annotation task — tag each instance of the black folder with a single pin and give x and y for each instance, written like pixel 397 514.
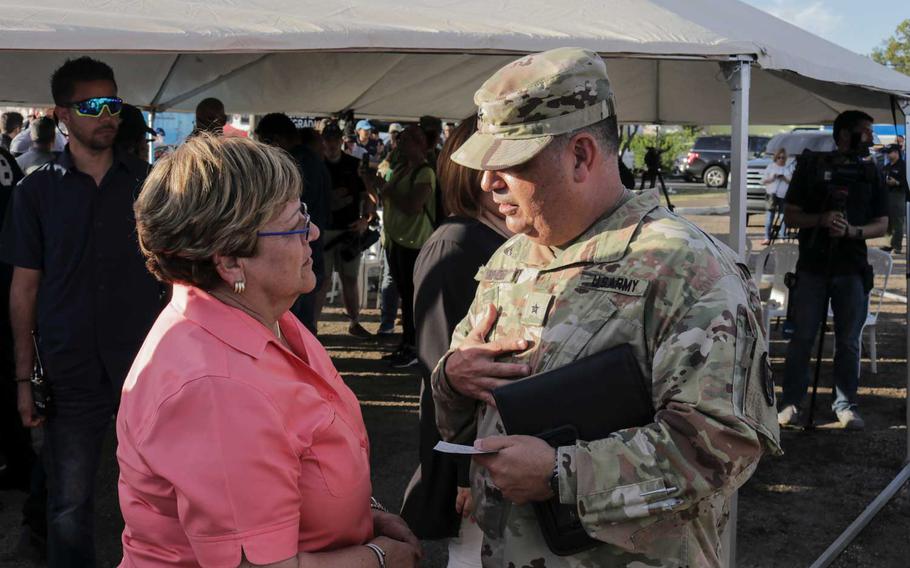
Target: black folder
pixel 587 399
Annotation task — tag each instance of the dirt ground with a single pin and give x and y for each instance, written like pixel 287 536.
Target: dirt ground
pixel 789 512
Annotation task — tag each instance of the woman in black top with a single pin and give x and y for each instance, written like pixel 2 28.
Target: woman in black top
pixel 437 502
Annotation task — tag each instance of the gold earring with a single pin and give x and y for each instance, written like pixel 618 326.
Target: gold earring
pixel 239 287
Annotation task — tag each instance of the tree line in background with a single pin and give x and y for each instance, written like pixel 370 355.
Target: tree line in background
pixel 671 143
pixel 895 50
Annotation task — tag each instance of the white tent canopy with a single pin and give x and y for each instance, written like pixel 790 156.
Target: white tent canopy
pixel 388 58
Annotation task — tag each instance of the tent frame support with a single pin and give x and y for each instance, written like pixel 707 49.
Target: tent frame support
pixel 209 84
pixel 739 77
pixel 738 73
pixel 904 105
pixel 903 476
pixel 152 114
pixel 839 545
pixel 166 81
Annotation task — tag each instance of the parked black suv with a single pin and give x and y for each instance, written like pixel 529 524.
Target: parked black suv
pixel 709 158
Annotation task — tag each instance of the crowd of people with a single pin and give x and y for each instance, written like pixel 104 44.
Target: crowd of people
pixel 183 300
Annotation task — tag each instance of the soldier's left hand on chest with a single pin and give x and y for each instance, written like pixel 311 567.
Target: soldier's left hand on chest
pixel 521 468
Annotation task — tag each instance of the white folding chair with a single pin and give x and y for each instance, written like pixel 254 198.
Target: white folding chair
pixel 882 263
pixel 757 264
pixel 784 257
pixel 334 289
pixel 370 263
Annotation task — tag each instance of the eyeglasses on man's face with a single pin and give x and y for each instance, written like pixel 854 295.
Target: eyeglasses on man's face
pixel 94 107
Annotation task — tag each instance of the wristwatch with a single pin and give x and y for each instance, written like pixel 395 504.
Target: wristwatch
pixel 554 477
pixel 376 505
pixel 859 233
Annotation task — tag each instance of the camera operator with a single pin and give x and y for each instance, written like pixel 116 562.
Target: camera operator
pixel 837 200
pixel 895 174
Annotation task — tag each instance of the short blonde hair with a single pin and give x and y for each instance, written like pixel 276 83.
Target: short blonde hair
pixel 210 196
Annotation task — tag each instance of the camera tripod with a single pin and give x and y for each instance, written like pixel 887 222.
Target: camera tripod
pixel 810 419
pixel 663 187
pixel 839 202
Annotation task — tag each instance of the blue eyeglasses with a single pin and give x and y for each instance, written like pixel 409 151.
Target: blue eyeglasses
pixel 95 106
pixel 305 231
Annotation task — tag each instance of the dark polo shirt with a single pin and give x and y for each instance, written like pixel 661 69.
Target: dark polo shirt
pixel 96 300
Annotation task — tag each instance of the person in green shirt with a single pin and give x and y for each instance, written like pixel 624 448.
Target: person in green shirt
pixel 409 214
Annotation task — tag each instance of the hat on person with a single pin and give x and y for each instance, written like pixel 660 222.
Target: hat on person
pixel 428 122
pixel 524 105
pixel 332 131
pixel 395 127
pixel 42 130
pixel 364 125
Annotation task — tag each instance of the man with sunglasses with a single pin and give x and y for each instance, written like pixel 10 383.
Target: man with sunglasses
pixel 80 283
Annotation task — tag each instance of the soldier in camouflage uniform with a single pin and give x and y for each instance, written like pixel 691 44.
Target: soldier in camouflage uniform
pixel 593 267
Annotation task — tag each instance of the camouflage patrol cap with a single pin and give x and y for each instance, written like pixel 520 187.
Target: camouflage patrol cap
pixel 529 101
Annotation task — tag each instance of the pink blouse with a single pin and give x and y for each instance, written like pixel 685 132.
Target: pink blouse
pixel 229 443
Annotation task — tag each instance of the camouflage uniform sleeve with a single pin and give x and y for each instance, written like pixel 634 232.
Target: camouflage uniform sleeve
pixel 700 444
pixel 455 413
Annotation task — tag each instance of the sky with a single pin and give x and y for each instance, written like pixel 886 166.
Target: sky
pixel 857 25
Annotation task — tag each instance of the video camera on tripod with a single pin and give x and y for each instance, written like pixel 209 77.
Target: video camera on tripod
pixel 838 173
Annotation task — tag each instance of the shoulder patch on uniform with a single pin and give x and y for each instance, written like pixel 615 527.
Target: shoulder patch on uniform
pixel 614 283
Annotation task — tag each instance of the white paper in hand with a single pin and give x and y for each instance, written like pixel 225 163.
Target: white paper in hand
pixel 448 448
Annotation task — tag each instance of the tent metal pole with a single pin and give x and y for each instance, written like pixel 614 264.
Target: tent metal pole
pixel 729 536
pixel 657 91
pixel 152 114
pixel 739 77
pixel 844 540
pixel 905 109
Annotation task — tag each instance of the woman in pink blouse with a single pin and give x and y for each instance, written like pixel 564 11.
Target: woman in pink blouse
pixel 239 444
